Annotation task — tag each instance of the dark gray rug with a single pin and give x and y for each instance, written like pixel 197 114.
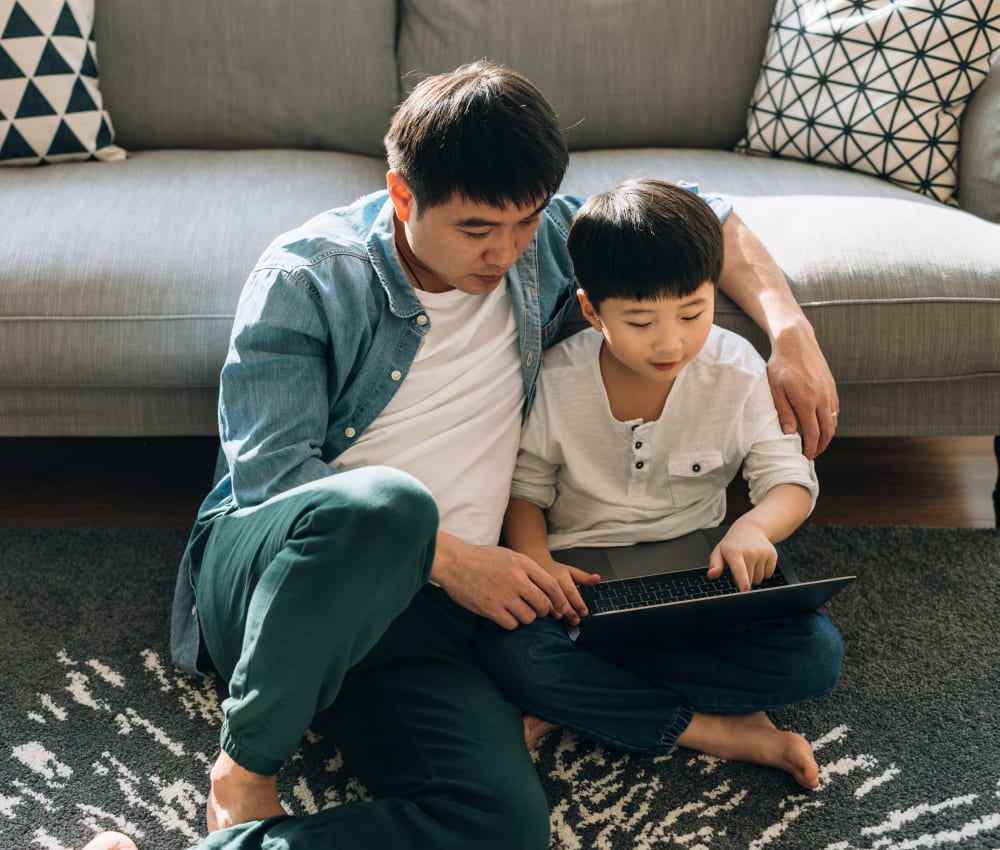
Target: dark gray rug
pixel 99 731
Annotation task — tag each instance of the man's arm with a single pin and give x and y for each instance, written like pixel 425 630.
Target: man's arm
pixel 801 383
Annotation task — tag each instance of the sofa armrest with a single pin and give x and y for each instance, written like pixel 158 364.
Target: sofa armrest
pixel 979 150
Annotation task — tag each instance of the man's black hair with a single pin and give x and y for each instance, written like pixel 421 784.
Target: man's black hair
pixel 483 133
pixel 644 240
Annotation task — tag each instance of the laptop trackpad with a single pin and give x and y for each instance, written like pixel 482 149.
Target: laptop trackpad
pixel 690 552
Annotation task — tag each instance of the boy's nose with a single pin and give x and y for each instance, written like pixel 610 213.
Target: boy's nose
pixel 668 346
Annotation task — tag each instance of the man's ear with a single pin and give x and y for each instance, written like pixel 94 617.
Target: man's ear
pixel 589 313
pixel 400 194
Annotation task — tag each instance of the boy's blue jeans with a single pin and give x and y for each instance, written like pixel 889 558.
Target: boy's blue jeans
pixel 642 698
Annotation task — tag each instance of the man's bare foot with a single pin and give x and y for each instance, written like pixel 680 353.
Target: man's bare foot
pixel 238 796
pixel 753 738
pixel 536 729
pixel 111 841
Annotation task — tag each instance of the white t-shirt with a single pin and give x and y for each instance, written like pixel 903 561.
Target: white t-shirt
pixel 605 483
pixel 455 420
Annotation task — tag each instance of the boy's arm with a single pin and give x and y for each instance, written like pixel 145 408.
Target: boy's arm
pixel 801 382
pixel 748 547
pixel 525 531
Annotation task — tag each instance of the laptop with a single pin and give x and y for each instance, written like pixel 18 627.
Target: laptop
pixel 659 590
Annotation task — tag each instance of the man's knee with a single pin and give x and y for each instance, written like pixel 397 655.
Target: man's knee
pixel 371 516
pixel 377 499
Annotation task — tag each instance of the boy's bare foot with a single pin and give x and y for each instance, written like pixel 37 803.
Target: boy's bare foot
pixel 753 738
pixel 536 729
pixel 111 841
pixel 238 796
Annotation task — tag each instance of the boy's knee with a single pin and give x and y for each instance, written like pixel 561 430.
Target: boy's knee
pixel 826 653
pixel 513 655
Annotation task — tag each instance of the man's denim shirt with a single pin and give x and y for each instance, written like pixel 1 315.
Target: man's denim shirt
pixel 326 330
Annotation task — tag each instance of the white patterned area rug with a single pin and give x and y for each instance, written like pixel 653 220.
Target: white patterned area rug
pixel 98 730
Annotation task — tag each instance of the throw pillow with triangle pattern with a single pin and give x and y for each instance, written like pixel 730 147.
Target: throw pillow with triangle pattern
pixel 51 109
pixel 873 85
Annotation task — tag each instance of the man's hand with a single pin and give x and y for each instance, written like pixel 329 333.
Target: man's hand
pixel 803 388
pixel 750 556
pixel 498 583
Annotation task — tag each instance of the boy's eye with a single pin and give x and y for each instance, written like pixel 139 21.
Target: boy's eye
pixel 639 324
pixel 692 318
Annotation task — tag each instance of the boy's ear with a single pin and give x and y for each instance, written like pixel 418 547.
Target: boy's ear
pixel 589 313
pixel 400 195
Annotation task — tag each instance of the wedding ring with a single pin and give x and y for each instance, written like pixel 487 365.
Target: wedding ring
pixel 835 414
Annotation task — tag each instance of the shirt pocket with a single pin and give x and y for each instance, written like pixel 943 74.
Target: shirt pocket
pixel 696 476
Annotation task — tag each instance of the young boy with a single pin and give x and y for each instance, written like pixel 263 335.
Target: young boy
pixel 639 425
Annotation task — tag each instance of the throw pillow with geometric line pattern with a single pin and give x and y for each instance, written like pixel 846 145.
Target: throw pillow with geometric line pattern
pixel 51 109
pixel 876 86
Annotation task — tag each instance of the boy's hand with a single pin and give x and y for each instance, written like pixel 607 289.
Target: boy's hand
pixel 569 578
pixel 750 556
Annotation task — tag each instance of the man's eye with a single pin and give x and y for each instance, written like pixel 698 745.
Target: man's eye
pixel 476 234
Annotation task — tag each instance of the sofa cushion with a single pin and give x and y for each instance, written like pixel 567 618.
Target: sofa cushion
pixel 232 74
pixel 129 276
pixel 874 86
pixel 912 282
pixel 979 153
pixel 623 74
pixel 51 109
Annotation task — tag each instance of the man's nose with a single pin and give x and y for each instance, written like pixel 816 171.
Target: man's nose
pixel 503 250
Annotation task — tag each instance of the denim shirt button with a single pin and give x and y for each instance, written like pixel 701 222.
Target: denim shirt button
pixel 421 319
pixel 349 433
pixel 395 374
pixel 529 358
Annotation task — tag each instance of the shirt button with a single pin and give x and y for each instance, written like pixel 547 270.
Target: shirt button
pixel 639 465
pixel 395 374
pixel 421 319
pixel 696 468
pixel 349 433
pixel 638 445
pixel 529 358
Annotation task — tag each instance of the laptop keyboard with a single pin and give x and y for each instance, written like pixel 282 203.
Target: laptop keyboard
pixel 641 592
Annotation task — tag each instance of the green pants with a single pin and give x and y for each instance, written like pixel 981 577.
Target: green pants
pixel 314 607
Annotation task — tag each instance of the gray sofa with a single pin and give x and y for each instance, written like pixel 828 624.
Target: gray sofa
pixel 243 118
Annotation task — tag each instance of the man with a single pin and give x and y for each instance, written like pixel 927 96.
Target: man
pixel 380 363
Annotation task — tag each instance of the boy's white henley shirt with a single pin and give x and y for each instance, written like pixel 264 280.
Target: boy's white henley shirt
pixel 604 482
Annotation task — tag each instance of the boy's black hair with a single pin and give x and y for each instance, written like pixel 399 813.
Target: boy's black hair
pixel 483 133
pixel 643 240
